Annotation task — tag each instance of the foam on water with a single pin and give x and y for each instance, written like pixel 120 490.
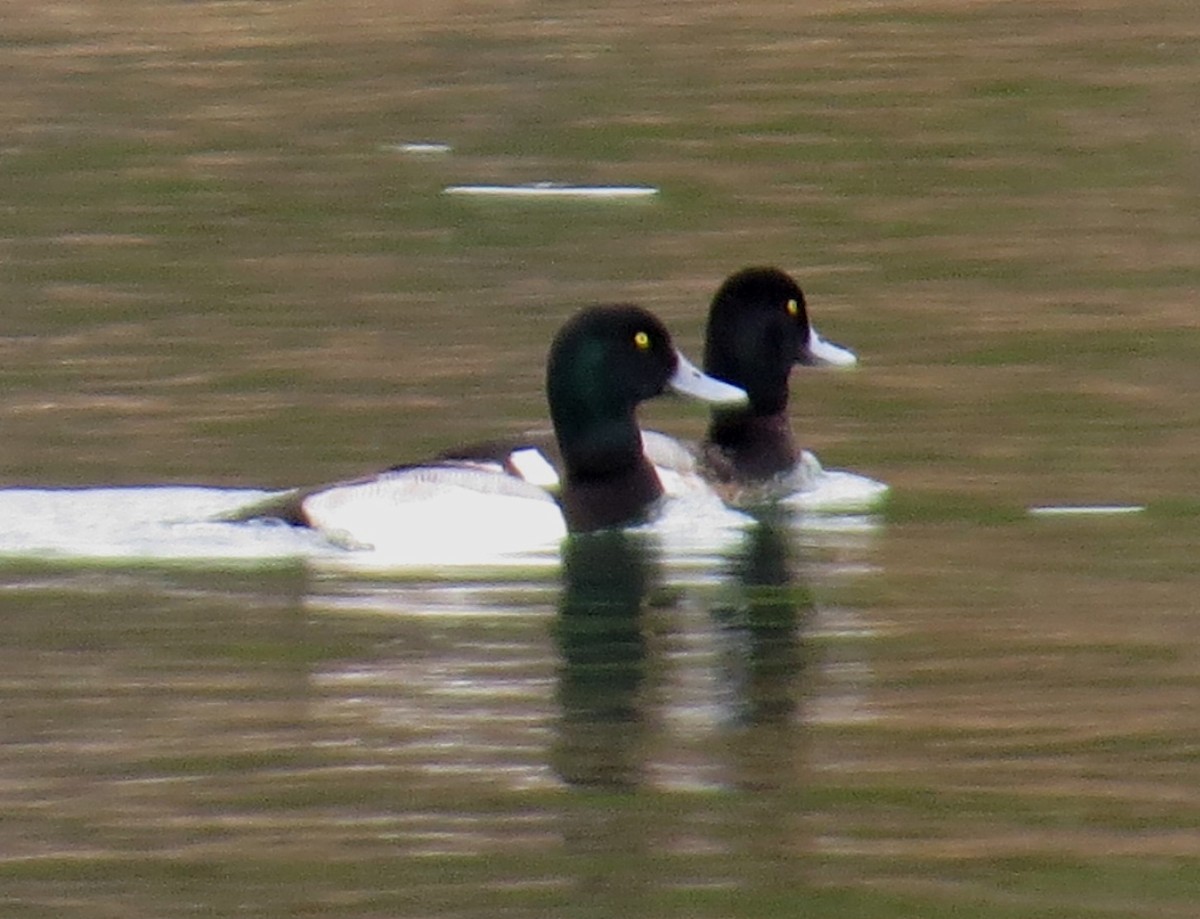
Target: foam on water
pixel 152 522
pixel 836 491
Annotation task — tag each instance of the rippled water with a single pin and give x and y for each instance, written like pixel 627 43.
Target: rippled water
pixel 224 274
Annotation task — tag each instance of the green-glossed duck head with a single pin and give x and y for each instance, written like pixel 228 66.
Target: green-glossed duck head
pixel 758 328
pixel 602 363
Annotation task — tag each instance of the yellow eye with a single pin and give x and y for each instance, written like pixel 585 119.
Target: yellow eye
pixel 793 307
pixel 642 340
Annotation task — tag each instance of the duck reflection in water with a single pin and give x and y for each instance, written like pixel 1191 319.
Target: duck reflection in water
pixel 607 577
pixel 612 663
pixel 762 620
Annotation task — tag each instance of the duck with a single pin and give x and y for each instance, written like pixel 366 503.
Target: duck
pixel 602 364
pixel 758 330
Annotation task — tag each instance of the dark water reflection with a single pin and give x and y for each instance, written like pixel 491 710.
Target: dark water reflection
pixel 764 626
pixel 607 579
pixel 747 664
pixel 733 690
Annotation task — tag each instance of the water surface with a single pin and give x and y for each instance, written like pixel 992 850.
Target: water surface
pixel 221 271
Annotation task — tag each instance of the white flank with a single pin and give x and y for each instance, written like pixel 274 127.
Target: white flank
pixel 531 465
pixel 439 516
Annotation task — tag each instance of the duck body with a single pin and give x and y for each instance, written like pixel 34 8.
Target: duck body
pixel 602 364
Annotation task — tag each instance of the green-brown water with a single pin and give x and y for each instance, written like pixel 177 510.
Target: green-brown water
pixel 217 269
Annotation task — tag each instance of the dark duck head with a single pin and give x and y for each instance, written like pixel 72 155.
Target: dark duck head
pixel 758 329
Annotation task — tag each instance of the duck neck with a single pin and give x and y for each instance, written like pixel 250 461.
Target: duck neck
pixel 756 445
pixel 608 482
pixel 616 499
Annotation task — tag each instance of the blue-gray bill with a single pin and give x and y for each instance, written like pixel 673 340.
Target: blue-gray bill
pixel 822 353
pixel 690 380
